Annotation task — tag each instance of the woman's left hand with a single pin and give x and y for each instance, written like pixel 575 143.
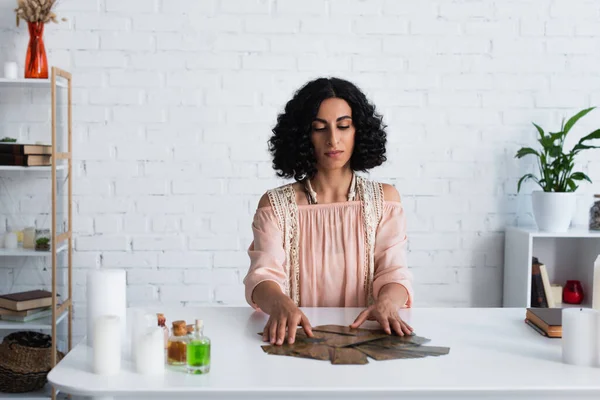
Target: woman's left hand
pixel 385 312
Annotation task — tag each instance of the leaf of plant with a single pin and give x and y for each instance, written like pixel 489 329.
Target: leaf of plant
pixel 578 147
pixel 546 142
pixel 524 178
pixel 576 118
pixel 525 151
pixel 572 186
pixel 540 130
pixel 593 135
pixel 557 136
pixel 555 151
pixel 580 176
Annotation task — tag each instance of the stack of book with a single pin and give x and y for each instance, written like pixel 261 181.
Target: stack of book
pixel 25 155
pixel 541 289
pixel 546 321
pixel 25 306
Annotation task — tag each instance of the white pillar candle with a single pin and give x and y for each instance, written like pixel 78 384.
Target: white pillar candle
pixel 596 285
pixel 579 336
pixel 11 241
pixel 140 323
pixel 10 70
pixel 106 295
pixel 107 345
pixel 150 352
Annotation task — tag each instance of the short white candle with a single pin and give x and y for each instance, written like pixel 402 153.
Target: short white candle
pixel 10 70
pixel 579 336
pixel 140 322
pixel 150 352
pixel 107 345
pixel 11 241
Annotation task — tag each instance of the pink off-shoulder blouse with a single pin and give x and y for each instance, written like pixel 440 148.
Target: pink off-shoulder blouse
pixel 331 254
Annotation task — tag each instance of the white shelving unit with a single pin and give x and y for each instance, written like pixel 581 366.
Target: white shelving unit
pixel 60 242
pixel 21 252
pixel 567 255
pixel 18 168
pixel 44 323
pixel 32 83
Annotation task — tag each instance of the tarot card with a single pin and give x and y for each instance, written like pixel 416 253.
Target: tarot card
pixel 348 356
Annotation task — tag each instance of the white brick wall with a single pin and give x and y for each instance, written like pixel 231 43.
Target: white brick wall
pixel 175 101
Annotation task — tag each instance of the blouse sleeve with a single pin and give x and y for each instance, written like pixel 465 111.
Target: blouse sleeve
pixel 267 255
pixel 390 251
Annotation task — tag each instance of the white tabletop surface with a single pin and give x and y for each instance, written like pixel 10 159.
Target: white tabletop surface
pixel 493 354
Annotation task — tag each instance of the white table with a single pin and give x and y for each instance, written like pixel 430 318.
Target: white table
pixel 493 355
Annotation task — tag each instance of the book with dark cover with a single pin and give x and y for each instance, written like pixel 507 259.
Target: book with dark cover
pixel 25 149
pixel 41 313
pixel 538 295
pixel 25 313
pixel 548 320
pixel 25 160
pixel 26 300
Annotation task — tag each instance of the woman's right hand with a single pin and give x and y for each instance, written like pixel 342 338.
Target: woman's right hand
pixel 285 315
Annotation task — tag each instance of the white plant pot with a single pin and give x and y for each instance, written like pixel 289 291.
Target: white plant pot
pixel 553 212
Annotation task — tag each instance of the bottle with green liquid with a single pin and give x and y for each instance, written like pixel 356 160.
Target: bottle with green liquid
pixel 198 350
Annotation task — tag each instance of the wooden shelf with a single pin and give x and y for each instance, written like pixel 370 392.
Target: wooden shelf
pixel 21 252
pixel 44 323
pixel 31 83
pixel 59 79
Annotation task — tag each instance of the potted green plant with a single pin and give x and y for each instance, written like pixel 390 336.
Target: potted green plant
pixel 554 204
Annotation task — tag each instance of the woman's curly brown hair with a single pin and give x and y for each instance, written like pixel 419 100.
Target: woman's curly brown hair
pixel 290 144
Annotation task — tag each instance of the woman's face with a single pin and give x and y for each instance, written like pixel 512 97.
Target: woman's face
pixel 333 134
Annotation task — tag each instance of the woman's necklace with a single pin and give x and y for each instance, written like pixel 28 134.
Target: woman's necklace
pixel 312 195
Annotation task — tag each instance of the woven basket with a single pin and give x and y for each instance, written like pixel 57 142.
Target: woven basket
pixel 25 360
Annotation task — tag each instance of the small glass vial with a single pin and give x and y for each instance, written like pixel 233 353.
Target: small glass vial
pixel 198 350
pixel 177 347
pixel 162 322
pixel 595 214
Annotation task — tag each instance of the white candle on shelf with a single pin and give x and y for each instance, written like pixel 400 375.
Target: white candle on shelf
pixel 11 241
pixel 107 345
pixel 579 336
pixel 596 285
pixel 150 354
pixel 10 70
pixel 106 295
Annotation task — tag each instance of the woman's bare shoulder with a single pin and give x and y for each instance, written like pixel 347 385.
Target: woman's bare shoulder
pixel 265 200
pixel 390 193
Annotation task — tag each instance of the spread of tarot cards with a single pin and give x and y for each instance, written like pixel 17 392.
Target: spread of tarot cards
pixel 344 345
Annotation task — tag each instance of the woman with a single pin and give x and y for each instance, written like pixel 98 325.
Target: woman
pixel 332 238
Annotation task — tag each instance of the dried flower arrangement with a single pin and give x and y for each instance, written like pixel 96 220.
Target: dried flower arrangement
pixel 36 11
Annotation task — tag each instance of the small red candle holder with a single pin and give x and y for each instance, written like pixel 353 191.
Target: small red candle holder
pixel 573 292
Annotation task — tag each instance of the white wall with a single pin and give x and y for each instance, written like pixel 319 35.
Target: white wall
pixel 174 102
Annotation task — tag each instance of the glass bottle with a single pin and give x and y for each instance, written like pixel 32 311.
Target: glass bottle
pixel 177 347
pixel 198 350
pixel 162 322
pixel 595 214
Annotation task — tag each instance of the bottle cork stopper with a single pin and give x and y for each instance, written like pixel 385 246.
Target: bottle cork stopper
pixel 179 328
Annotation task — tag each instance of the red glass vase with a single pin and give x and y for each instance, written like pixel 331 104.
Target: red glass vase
pixel 573 292
pixel 36 63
